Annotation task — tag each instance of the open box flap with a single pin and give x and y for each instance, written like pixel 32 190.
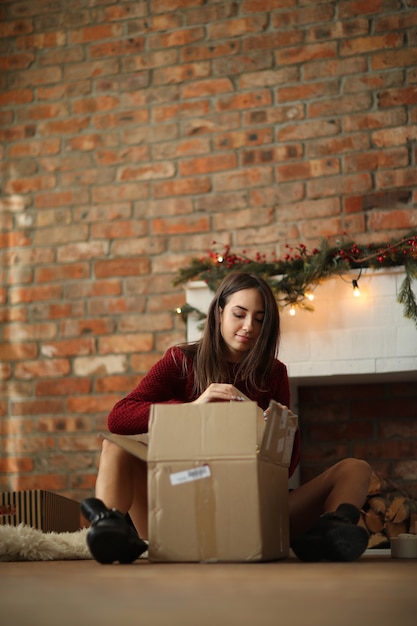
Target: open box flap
pixel 279 433
pixel 135 444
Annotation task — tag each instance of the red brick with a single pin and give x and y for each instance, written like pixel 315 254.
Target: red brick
pixel 207 164
pixel 308 130
pixel 338 145
pixel 308 91
pixel 43 368
pixel 94 33
pixel 378 119
pixel 63 424
pixel 200 53
pixel 15 27
pixel 117 193
pixel 253 6
pixel 233 65
pixel 18 351
pixel 35 148
pixel 396 178
pixel 352 8
pixel 360 45
pixel 161 169
pixel 41 41
pixel 65 90
pixel 373 82
pixel 16 97
pixel 391 219
pixel 121 384
pixel 398 21
pixel 308 169
pixel 19 61
pixel 68 347
pixel 163 6
pixel 334 67
pixel 16 464
pixel 336 185
pixel 36 407
pixel 397 97
pixel 272 41
pixel 394 58
pixel 237 27
pixel 67 386
pixel 305 54
pixel 121 267
pixel 179 37
pixel 179 225
pixel 204 88
pixel 119 229
pixel 341 105
pixel 182 187
pixel 183 74
pixel 47 482
pixel 111 120
pixel 243 178
pixel 376 159
pixel 243 138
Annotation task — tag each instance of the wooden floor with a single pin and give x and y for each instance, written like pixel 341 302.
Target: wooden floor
pixel 374 590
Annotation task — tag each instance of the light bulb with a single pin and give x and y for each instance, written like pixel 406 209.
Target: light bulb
pixel 178 310
pixel 356 290
pixel 309 295
pixel 292 310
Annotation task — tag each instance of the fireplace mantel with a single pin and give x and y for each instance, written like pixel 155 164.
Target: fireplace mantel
pixel 344 337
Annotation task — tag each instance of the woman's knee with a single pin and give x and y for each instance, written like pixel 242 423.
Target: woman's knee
pixel 353 467
pixel 112 453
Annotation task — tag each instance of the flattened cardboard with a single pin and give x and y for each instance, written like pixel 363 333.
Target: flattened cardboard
pixel 40 509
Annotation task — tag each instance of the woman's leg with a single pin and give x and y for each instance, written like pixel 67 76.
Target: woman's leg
pixel 345 482
pixel 122 484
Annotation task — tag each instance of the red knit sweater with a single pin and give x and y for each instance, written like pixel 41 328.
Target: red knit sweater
pixel 166 383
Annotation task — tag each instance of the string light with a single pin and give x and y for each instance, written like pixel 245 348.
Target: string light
pixel 292 310
pixel 309 295
pixel 356 290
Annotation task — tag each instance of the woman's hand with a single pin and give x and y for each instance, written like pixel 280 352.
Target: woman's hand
pixel 219 392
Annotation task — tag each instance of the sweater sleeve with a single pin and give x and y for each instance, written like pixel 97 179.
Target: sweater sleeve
pixel 164 383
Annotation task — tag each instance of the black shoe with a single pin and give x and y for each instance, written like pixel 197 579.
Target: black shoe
pixel 111 537
pixel 335 537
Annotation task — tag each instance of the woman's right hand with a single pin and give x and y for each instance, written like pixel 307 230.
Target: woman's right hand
pixel 220 392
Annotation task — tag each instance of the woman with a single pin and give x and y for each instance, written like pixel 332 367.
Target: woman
pixel 235 355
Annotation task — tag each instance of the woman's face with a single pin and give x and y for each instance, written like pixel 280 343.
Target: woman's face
pixel 241 322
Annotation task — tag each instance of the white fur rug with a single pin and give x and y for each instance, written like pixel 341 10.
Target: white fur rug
pixel 23 543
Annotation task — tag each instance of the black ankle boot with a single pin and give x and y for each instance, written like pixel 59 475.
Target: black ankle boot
pixel 335 537
pixel 111 538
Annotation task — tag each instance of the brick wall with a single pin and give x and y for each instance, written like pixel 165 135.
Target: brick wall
pixel 376 422
pixel 133 134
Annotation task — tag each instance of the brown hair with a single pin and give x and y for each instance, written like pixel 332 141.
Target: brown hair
pixel 210 353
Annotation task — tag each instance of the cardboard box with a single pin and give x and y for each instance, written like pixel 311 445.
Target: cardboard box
pixel 44 510
pixel 217 483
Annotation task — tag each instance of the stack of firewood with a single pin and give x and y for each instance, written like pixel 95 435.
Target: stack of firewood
pixel 388 512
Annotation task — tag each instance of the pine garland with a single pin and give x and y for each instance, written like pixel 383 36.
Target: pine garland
pixel 298 273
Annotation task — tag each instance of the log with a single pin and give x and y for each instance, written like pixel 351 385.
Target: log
pixel 378 505
pixel 393 530
pixel 378 540
pixel 374 521
pixel 398 510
